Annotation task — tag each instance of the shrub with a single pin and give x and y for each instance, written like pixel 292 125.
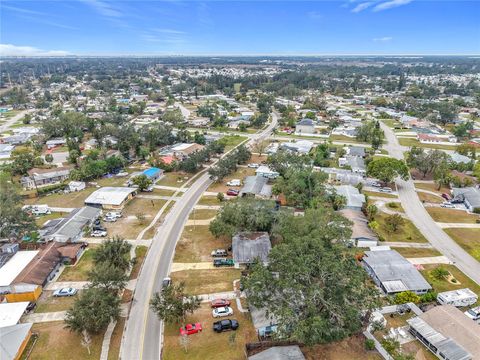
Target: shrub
pixel 440 273
pixel 369 344
pixel 406 297
pixel 430 296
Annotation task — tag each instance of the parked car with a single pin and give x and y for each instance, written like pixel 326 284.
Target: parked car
pixel 115 214
pixel 385 190
pixel 232 192
pixel 253 165
pixel 446 196
pixel 473 313
pixel 219 253
pixel 267 331
pixel 220 303
pixel 166 282
pixel 98 233
pixel 148 189
pixel 65 292
pixel 30 307
pixel 190 329
pixel 222 311
pixel 447 205
pixel 225 325
pixel 110 219
pixel 375 184
pixel 99 228
pixel 223 262
pixel 234 182
pixel 97 222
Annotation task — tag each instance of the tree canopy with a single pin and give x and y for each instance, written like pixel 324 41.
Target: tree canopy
pixel 387 169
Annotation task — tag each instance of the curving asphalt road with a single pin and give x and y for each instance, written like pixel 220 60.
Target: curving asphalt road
pixel 143 336
pixel 417 213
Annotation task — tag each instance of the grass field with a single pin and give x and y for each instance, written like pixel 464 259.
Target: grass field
pixel 196 244
pixel 444 285
pixel 407 233
pixel 417 252
pixel 79 271
pixel 240 174
pixel 231 141
pixel 57 343
pixel 468 239
pixel 48 303
pixel 41 220
pixel 350 348
pixel 379 194
pixel 116 340
pixel 71 200
pixel 209 200
pixel 140 253
pixel 451 215
pixel 432 187
pixel 429 198
pixel 202 214
pixel 208 344
pixel 206 281
pixel 395 206
pixel 175 179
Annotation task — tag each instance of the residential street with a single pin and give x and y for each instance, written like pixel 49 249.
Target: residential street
pixel 8 123
pixel 143 338
pixel 422 220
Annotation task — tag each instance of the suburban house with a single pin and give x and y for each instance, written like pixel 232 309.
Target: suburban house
pixel 266 172
pixel 55 142
pixel 291 352
pixel 436 138
pixel 110 198
pixel 76 185
pixel 184 150
pixel 355 151
pixel 6 151
pixel 393 273
pixel 299 147
pixel 470 197
pixel 343 176
pixel 362 235
pixel 16 139
pixel 44 177
pixel 356 164
pixel 153 174
pixel 248 247
pixel 447 333
pixel 460 159
pixel 256 186
pixel 10 313
pixel 305 126
pixel 71 227
pixel 265 324
pixel 355 200
pixel 14 340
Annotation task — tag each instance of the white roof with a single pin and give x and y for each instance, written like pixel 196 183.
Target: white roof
pixel 265 170
pixel 10 313
pixel 109 196
pixel 15 265
pixel 181 147
pixel 460 294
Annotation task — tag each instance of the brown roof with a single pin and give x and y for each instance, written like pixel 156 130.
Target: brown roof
pixel 70 250
pixel 37 271
pixel 193 148
pixel 451 322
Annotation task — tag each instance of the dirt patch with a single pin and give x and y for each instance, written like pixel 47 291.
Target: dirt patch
pixel 207 281
pixel 350 348
pixel 197 243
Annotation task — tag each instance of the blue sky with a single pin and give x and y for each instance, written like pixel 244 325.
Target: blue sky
pixel 98 27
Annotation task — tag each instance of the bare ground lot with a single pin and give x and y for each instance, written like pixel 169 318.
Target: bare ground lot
pixel 196 244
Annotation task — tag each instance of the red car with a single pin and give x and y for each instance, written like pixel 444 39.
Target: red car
pixel 446 196
pixel 232 192
pixel 220 303
pixel 190 329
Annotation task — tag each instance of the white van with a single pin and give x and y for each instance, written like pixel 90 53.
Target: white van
pixel 474 313
pixel 234 182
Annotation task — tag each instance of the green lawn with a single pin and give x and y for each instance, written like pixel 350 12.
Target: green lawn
pixel 345 139
pixel 468 239
pixel 444 285
pixel 417 252
pixel 202 214
pixel 451 215
pixel 140 253
pixel 209 200
pixel 429 198
pixel 432 187
pixel 48 303
pixel 196 244
pixel 72 200
pixel 395 206
pixel 379 194
pixel 231 141
pixel 79 271
pixel 407 233
pixel 174 179
pixel 414 142
pixel 41 220
pixel 207 281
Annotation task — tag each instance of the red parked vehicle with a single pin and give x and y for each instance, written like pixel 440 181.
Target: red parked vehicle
pixel 190 329
pixel 446 196
pixel 232 192
pixel 220 303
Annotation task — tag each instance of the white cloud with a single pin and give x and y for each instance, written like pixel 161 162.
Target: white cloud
pixel 22 10
pixel 13 50
pixel 383 39
pixel 362 6
pixel 104 8
pixel 170 31
pixel 391 4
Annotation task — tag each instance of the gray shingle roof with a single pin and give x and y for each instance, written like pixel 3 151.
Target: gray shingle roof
pixel 249 246
pixel 279 353
pixel 256 185
pixel 11 339
pixel 394 271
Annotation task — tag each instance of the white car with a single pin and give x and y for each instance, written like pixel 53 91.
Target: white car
pixel 473 313
pixel 222 311
pixel 234 182
pixel 99 233
pixel 110 219
pixel 64 292
pixel 114 214
pixel 253 165
pixel 447 205
pixel 385 190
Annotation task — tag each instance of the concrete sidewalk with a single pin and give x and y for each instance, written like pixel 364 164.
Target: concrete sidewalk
pixel 207 207
pixel 67 284
pixel 407 245
pixel 172 188
pixel 458 225
pixel 193 266
pixel 44 317
pixel 199 222
pixel 158 197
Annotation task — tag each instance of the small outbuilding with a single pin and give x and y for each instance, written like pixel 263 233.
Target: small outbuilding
pixel 291 352
pixel 76 185
pixel 110 198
